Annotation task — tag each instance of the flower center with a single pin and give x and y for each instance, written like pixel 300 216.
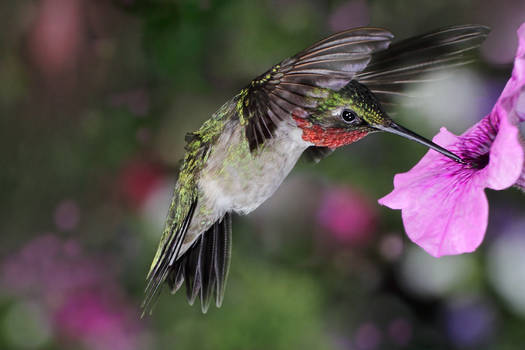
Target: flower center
pixel 478 162
pixel 474 149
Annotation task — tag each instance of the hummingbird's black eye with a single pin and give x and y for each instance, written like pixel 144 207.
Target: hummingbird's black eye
pixel 348 116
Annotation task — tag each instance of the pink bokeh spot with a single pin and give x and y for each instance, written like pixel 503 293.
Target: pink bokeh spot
pixel 368 337
pixel 80 293
pixel 57 34
pixel 443 203
pixel 347 215
pixel 96 321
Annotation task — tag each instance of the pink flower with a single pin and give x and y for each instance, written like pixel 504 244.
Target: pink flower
pixel 443 203
pixel 98 321
pixel 51 268
pixel 347 215
pixel 57 35
pixel 79 292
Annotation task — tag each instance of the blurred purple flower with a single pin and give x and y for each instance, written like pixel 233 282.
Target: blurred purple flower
pixel 50 268
pixel 349 216
pixel 79 292
pixel 443 203
pixel 469 323
pixel 367 337
pixel 96 321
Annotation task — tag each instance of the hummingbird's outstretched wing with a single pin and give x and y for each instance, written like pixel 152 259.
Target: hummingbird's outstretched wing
pixel 409 61
pixel 302 80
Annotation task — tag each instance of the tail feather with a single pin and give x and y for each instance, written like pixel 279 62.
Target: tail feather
pixel 222 256
pixel 205 265
pixel 191 272
pixel 164 265
pixel 176 279
pixel 206 268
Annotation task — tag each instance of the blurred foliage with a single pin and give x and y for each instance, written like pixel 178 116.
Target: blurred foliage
pixel 120 82
pixel 286 316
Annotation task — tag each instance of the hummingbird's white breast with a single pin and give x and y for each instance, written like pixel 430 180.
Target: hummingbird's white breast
pixel 235 179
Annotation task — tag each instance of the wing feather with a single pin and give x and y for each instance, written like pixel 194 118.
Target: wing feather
pixel 301 81
pixel 409 61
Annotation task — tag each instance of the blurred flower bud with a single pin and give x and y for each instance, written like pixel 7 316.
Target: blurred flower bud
pixel 56 36
pixel 347 215
pixel 138 180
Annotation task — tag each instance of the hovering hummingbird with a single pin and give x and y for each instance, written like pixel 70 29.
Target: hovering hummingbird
pixel 329 95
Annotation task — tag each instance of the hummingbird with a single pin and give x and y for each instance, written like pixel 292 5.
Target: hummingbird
pixel 331 94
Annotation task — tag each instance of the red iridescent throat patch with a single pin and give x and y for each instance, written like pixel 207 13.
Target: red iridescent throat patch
pixel 329 137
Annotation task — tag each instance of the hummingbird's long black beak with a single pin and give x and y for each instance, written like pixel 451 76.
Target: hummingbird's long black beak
pixel 404 132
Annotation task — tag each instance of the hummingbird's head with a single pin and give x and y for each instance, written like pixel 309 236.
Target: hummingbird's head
pixel 348 115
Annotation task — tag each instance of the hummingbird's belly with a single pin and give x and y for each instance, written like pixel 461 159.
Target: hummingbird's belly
pixel 234 179
pixel 240 181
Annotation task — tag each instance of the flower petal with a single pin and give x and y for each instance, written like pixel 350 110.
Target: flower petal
pixel 512 95
pixel 455 221
pixel 520 106
pixel 442 212
pixel 444 207
pixel 506 157
pixel 521 181
pixel 402 195
pixel 519 73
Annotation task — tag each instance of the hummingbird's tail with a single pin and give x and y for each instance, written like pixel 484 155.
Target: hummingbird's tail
pixel 406 62
pixel 204 266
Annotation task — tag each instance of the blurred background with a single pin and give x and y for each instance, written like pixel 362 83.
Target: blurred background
pixel 95 99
